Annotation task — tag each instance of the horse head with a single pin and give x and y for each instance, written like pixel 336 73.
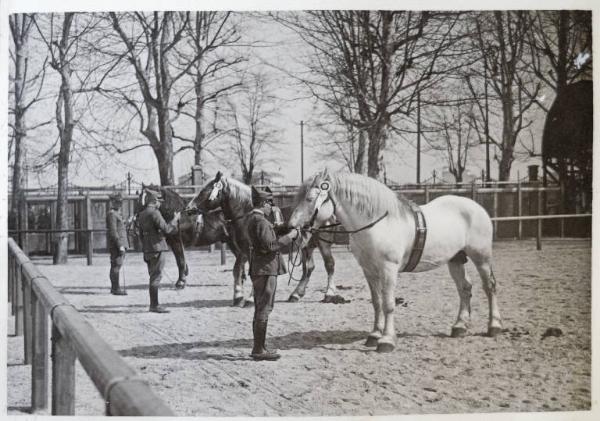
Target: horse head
pixel 314 203
pixel 209 197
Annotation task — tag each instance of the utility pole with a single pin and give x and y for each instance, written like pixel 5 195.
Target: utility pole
pixel 418 137
pixel 301 152
pixel 129 192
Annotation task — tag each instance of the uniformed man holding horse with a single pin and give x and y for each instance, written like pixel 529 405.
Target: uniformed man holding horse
pixel 153 229
pixel 266 263
pixel 117 242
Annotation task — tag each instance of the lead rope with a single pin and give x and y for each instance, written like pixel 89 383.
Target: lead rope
pixel 293 259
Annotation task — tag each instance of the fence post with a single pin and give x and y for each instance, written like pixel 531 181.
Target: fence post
pixel 495 214
pixel 223 253
pixel 473 191
pixel 11 260
pixel 39 366
pixel 519 206
pixel 90 246
pixel 63 375
pixel 27 337
pixel 539 221
pixel 89 227
pixel 13 301
pixel 562 227
pixel 19 301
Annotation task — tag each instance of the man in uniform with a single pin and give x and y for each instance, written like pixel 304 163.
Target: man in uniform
pixel 117 242
pixel 153 229
pixel 266 263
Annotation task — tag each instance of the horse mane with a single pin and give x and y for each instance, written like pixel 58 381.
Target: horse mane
pixel 239 191
pixel 369 196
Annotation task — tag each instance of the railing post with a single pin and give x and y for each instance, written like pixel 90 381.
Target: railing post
pixel 539 221
pixel 11 260
pixel 473 191
pixel 519 208
pixel 90 246
pixel 426 194
pixel 495 214
pixel 223 254
pixel 19 302
pixel 562 227
pixel 63 375
pixel 27 336
pixel 39 366
pixel 13 301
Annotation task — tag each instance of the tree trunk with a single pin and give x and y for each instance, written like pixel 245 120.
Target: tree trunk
pixel 65 124
pixel 563 46
pixel 359 163
pixel 165 157
pixel 199 135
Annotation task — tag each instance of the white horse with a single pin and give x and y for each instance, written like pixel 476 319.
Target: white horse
pixel 386 231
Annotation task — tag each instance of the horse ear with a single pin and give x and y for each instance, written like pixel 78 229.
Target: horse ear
pixel 325 174
pixel 218 176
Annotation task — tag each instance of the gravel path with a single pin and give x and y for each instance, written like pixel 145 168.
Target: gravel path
pixel 197 357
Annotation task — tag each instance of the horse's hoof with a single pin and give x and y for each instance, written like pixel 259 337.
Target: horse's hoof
pixel 494 331
pixel 180 285
pixel 371 341
pixel 248 304
pixel 458 332
pixel 238 302
pixel 384 347
pixel 293 299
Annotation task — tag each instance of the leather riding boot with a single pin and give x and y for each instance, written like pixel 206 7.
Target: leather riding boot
pixel 260 353
pixel 154 307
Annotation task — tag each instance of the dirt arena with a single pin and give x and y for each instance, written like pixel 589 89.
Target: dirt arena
pixel 197 357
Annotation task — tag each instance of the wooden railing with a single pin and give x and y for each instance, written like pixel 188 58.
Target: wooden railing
pixel 539 219
pixel 33 301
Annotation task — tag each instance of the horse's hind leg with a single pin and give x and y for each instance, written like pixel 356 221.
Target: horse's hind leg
pixel 238 282
pixel 177 248
pixel 489 285
pixel 308 265
pixel 463 285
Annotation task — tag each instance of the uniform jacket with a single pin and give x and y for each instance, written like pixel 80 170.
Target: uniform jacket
pixel 265 257
pixel 117 235
pixel 153 229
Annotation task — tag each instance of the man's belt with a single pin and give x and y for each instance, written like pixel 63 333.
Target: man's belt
pixel 420 237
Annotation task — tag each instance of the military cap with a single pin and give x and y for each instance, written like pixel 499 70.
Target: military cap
pixel 261 195
pixel 115 197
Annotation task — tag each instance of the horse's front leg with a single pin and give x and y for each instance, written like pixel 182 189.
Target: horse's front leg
pixel 376 300
pixel 328 260
pixel 308 265
pixel 387 283
pixel 178 250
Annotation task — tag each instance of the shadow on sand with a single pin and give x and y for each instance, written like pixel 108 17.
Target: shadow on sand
pixel 295 340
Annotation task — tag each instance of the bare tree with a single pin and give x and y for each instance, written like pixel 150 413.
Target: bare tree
pixel 453 133
pixel 150 42
pixel 253 132
pixel 210 38
pixel 560 46
pixel 369 65
pixel 500 38
pixel 25 92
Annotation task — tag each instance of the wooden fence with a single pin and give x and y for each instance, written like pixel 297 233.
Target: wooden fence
pixel 33 301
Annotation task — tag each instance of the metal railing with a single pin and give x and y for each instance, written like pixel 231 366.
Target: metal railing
pixel 34 300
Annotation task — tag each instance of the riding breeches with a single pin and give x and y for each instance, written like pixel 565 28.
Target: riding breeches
pixel 156 263
pixel 264 296
pixel 116 261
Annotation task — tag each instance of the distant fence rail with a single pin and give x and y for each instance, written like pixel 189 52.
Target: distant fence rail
pixel 33 300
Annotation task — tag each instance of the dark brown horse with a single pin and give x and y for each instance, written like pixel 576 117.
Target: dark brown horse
pixel 201 230
pixel 235 199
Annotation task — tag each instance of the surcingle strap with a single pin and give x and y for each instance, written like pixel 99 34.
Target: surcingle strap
pixel 420 237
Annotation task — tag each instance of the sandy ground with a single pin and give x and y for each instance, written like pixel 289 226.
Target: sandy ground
pixel 197 357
